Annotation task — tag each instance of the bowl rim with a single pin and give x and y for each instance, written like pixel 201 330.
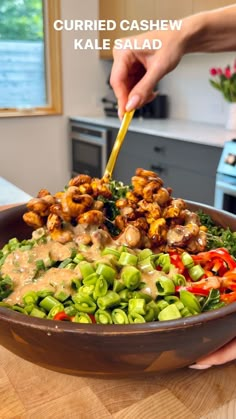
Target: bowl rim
pixel 15 318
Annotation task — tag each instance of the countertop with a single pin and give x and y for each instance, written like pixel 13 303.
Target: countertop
pixel 197 132
pixel 29 391
pixel 11 194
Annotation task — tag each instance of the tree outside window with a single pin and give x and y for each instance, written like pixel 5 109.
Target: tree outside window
pixel 25 73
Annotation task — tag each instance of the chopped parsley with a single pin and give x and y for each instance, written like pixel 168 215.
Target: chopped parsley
pixel 218 236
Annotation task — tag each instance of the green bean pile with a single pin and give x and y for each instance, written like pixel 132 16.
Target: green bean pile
pixel 109 290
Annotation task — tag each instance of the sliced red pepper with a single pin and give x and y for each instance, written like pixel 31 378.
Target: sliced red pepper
pixel 62 316
pixel 228 298
pixel 217 266
pixel 175 260
pixel 193 289
pixel 92 317
pixel 221 253
pixel 229 280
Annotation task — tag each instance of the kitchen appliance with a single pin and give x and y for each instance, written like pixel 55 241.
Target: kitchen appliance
pixel 90 148
pixel 225 188
pixel 158 108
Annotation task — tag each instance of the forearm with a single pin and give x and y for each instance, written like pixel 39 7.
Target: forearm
pixel 213 31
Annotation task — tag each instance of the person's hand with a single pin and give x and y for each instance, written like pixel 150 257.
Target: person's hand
pixel 225 354
pixel 135 73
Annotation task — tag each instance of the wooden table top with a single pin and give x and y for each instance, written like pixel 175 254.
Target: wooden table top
pixel 29 391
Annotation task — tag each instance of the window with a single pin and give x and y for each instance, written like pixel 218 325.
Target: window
pixel 30 64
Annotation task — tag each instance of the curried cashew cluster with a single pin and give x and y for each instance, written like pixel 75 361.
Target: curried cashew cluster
pixel 148 216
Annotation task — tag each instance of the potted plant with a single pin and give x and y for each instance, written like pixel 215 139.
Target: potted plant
pixel 224 80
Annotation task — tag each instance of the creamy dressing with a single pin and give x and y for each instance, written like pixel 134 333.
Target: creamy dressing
pixel 21 267
pixel 54 279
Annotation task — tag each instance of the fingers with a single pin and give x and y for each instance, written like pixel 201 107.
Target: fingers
pixel 225 354
pixel 119 81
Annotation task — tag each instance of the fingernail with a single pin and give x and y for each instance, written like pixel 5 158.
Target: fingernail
pixel 200 366
pixel 132 103
pixel 120 114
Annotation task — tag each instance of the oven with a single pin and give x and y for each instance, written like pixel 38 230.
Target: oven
pixel 225 188
pixel 89 149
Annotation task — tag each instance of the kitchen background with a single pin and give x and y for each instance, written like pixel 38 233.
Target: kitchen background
pixel 35 151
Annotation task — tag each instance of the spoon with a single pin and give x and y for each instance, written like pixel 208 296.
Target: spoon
pixel 118 143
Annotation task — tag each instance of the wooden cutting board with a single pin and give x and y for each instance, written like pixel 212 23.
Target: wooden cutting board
pixel 29 391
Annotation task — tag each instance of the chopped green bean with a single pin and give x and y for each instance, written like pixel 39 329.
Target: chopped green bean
pixel 187 260
pixel 165 286
pixel 170 312
pixel 119 316
pixel 103 317
pixel 118 285
pixel 85 304
pixel 128 259
pixel 86 269
pixel 64 263
pixel 111 299
pixel 55 310
pixel 107 272
pixel 196 272
pixel 137 305
pixel 131 277
pixel 36 312
pixel 136 318
pixel 86 290
pixel 190 301
pixel 30 297
pixel 111 251
pixel 81 317
pixel 100 288
pixel 48 303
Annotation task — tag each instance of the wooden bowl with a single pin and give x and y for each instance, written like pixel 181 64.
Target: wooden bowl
pixel 113 350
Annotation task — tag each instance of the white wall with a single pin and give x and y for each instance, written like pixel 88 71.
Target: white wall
pixel 190 94
pixel 35 150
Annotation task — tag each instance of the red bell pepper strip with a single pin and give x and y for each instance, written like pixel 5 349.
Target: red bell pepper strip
pixel 229 280
pixel 175 260
pixel 228 298
pixel 222 253
pixel 192 289
pixel 62 316
pixel 92 317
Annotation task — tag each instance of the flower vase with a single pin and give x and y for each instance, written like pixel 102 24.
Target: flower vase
pixel 231 117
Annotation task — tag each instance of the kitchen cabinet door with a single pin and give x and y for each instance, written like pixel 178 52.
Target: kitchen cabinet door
pixel 201 5
pixel 172 10
pixel 188 168
pixel 114 10
pixel 138 10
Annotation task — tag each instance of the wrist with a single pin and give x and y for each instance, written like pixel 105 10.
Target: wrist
pixel 194 29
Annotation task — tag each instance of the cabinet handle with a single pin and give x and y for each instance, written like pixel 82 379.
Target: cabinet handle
pixel 159 169
pixel 159 149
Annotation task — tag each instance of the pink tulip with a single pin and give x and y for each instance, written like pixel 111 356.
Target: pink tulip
pixel 219 71
pixel 213 71
pixel 227 72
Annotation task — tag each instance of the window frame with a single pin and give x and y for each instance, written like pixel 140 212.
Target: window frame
pixel 52 44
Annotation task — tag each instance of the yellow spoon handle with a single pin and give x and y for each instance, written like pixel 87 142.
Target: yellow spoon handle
pixel 118 143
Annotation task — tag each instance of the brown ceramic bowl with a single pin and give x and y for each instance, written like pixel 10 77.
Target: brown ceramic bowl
pixel 113 350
